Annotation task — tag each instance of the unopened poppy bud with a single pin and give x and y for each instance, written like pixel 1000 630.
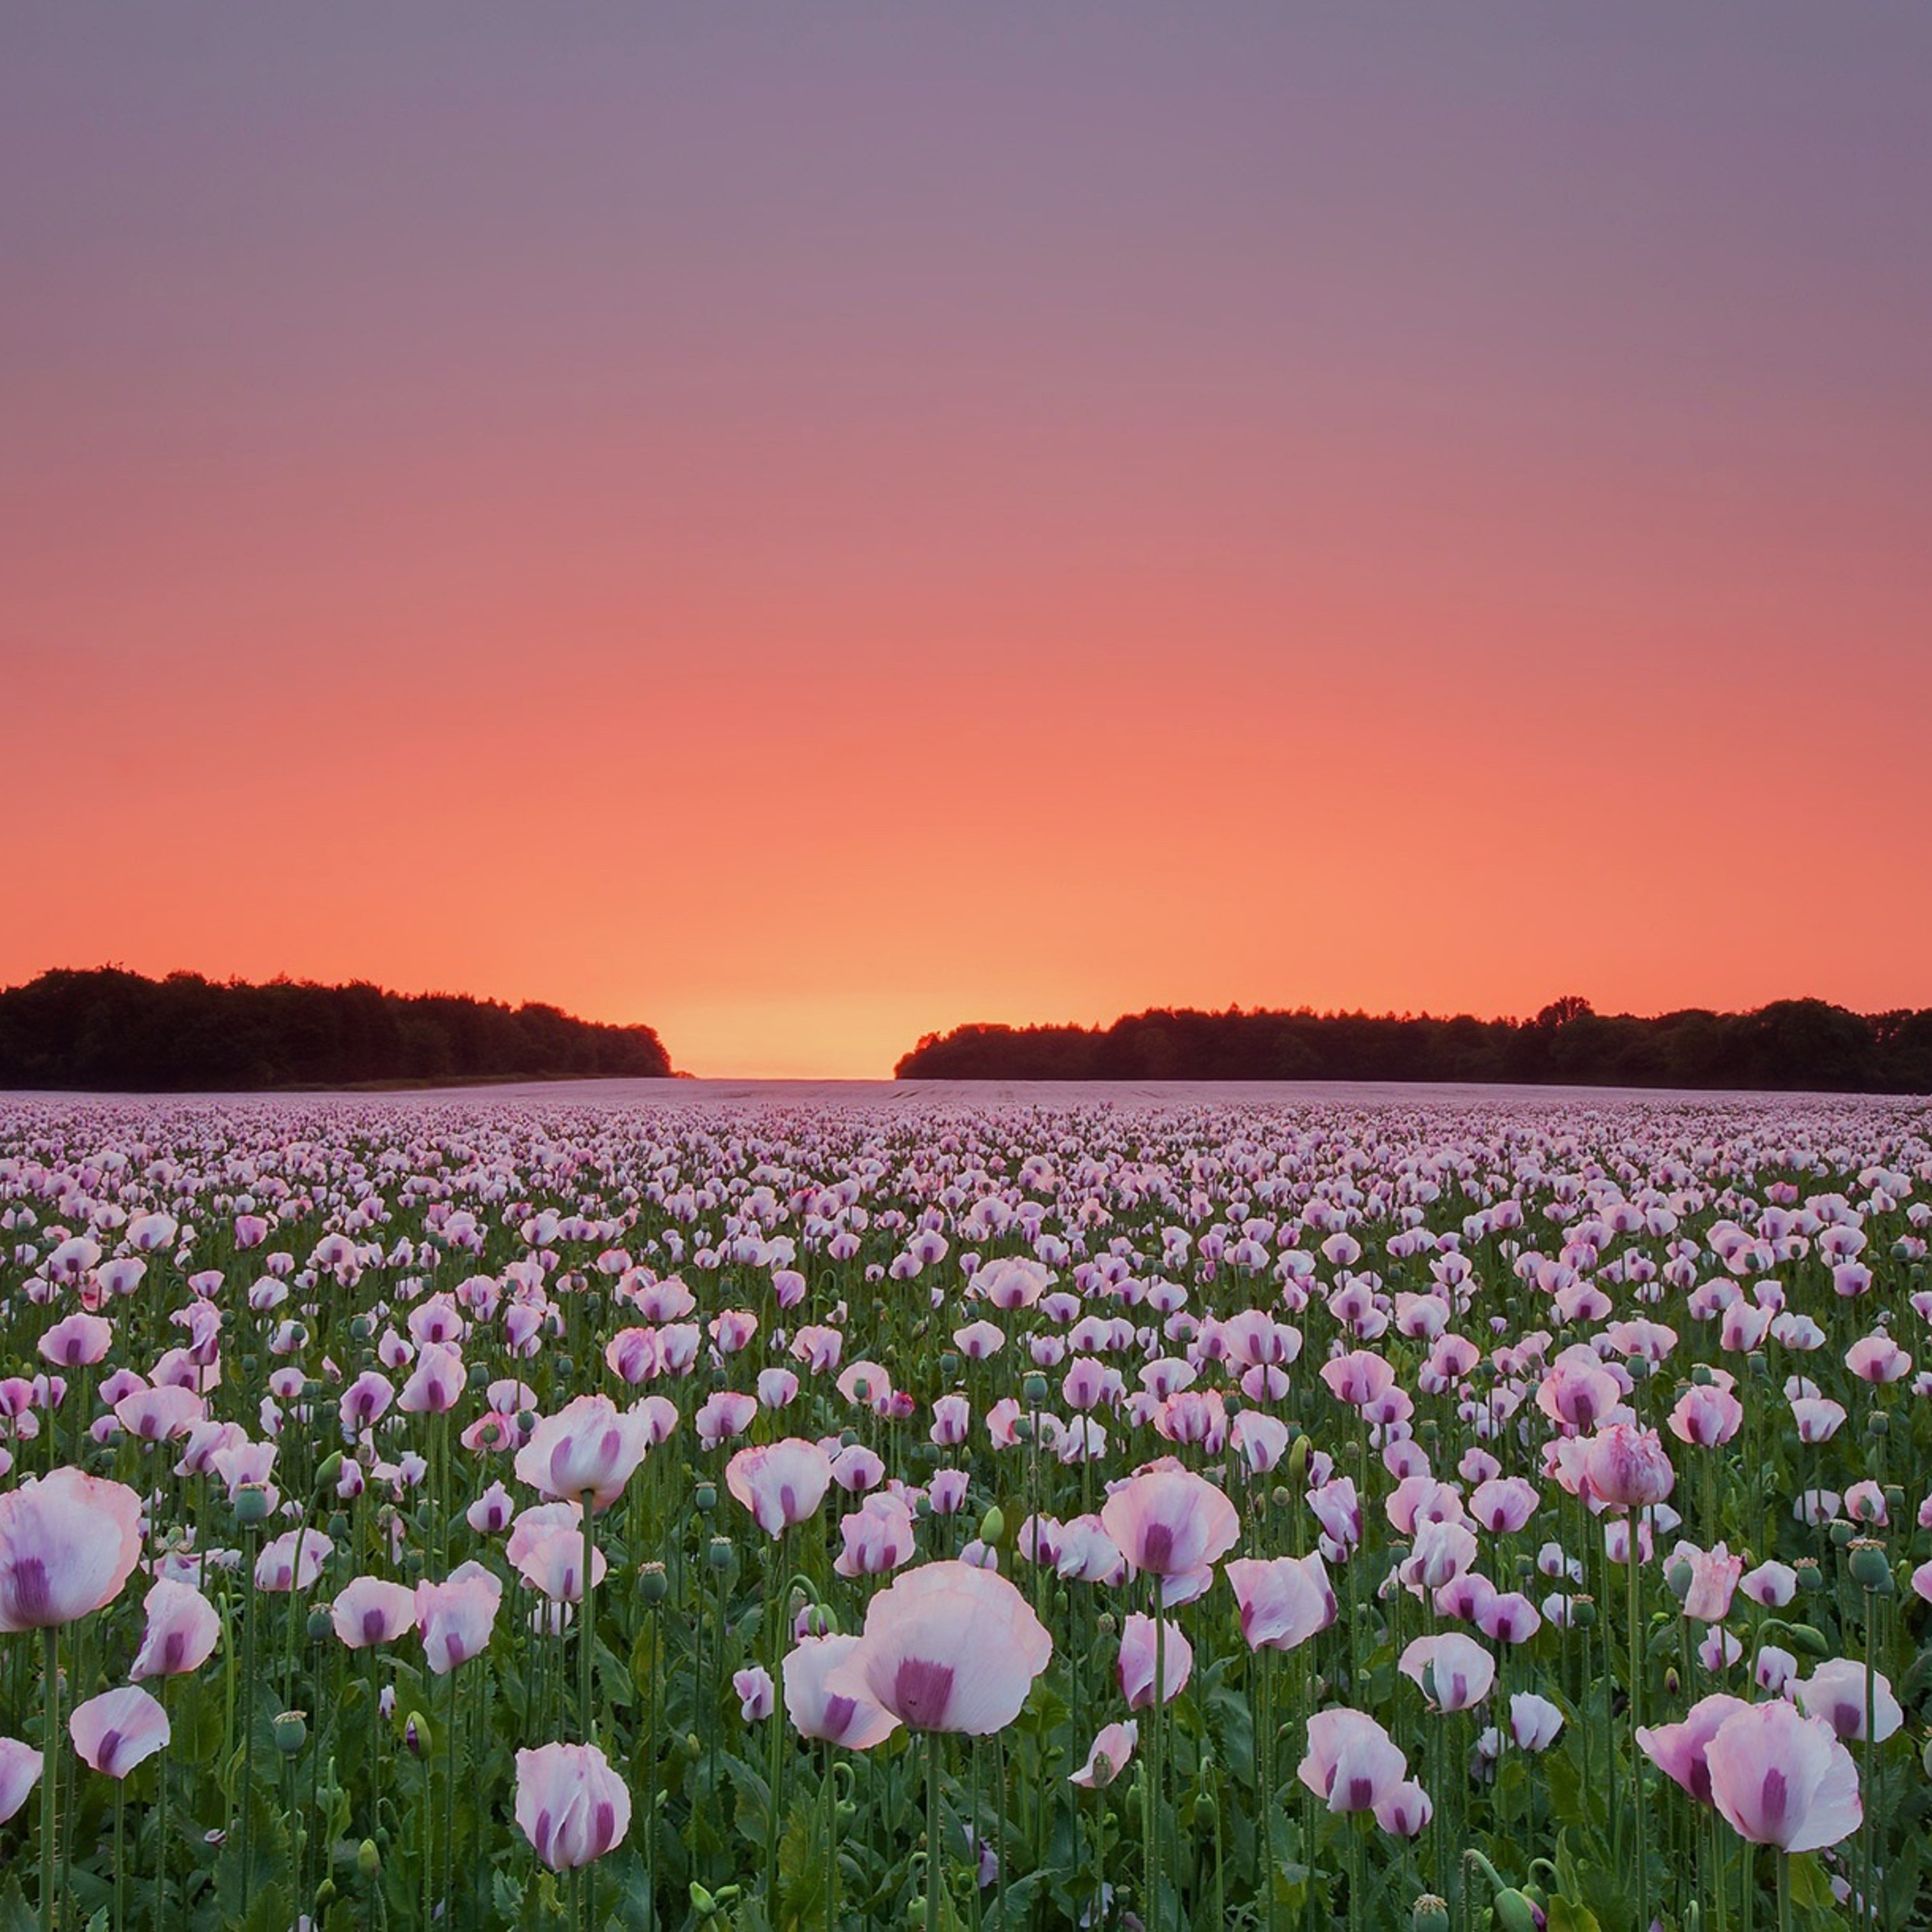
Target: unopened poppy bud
pixel 1680 1576
pixel 324 1893
pixel 1809 1639
pixel 330 1474
pixel 368 1860
pixel 1297 1463
pixel 993 1526
pixel 416 1733
pixel 1207 1812
pixel 1672 1683
pixel 291 1732
pixel 653 1585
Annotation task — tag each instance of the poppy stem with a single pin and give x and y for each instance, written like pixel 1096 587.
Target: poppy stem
pixel 935 1865
pixel 586 1640
pixel 50 1734
pixel 1632 1554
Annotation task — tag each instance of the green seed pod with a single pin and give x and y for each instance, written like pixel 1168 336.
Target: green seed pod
pixel 705 1497
pixel 479 1375
pixel 721 1553
pixel 251 1503
pixel 338 1527
pixel 949 1365
pixel 1033 1389
pixel 291 1732
pixel 1701 1376
pixel 1842 1533
pixel 1809 1577
pixel 1583 1613
pixel 1680 1576
pixel 1428 1914
pixel 653 1585
pixel 1869 1567
pixel 319 1625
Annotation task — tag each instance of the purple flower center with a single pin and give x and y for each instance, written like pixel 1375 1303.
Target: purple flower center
pixel 921 1691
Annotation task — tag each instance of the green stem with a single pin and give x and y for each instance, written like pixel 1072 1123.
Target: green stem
pixel 935 1866
pixel 49 1761
pixel 1631 1556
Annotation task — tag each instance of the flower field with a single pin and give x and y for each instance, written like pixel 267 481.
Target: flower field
pixel 1445 1513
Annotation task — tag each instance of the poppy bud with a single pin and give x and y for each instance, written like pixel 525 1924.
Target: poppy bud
pixel 415 1733
pixel 368 1860
pixel 993 1526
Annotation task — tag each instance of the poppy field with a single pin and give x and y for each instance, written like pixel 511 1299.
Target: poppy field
pixel 1445 1513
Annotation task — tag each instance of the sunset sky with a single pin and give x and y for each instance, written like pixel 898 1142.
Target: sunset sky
pixel 806 526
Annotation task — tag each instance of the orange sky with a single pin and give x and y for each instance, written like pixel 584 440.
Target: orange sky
pixel 807 539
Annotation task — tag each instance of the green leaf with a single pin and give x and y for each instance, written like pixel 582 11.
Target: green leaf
pixel 1811 1886
pixel 15 1914
pixel 1565 1917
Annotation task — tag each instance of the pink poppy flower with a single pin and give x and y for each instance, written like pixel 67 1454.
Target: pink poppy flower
pixel 182 1630
pixel 68 1543
pixel 1284 1602
pixel 370 1610
pixel 1780 1778
pixel 1453 1671
pixel 1169 1522
pixel 117 1730
pixel 1112 1750
pixel 1135 1668
pixel 19 1772
pixel 780 1483
pixel 1627 1466
pixel 1352 1764
pixel 454 1619
pixel 852 1718
pixel 571 1805
pixel 1678 1750
pixel 948 1647
pixel 590 1447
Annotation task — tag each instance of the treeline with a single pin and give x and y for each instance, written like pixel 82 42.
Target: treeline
pixel 107 1031
pixel 1794 1045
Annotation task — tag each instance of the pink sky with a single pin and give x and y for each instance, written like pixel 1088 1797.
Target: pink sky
pixel 806 531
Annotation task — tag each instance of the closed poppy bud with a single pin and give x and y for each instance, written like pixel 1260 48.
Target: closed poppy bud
pixel 368 1860
pixel 993 1526
pixel 415 1733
